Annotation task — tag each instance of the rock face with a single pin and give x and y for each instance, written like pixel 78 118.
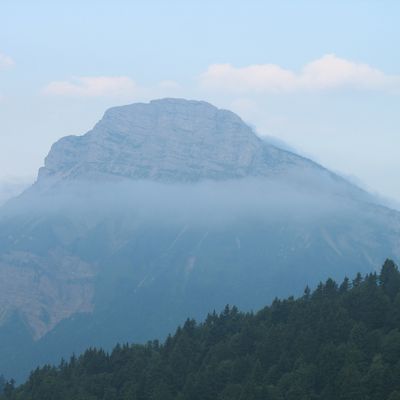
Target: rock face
pixel 168 210
pixel 168 140
pixel 44 290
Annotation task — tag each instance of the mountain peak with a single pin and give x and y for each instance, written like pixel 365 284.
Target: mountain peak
pixel 169 140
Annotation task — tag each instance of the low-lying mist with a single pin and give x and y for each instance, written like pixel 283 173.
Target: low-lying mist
pixel 208 202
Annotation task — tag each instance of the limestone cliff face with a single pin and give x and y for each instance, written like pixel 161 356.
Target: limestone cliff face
pixel 170 140
pixel 44 289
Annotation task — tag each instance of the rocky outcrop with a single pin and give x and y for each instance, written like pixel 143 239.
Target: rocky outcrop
pixel 170 140
pixel 44 289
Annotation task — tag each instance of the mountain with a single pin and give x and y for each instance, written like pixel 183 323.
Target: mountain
pixel 169 141
pixel 337 342
pixel 167 210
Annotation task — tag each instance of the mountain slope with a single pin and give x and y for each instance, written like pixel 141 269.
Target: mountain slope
pixel 168 210
pixel 10 188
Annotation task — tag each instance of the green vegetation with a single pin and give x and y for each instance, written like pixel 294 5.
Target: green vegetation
pixel 338 342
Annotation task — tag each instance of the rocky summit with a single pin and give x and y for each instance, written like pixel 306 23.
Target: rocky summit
pixel 170 140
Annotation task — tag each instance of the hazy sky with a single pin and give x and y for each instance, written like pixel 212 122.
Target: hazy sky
pixel 322 76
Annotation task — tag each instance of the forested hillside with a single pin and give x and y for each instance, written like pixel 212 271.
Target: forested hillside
pixel 337 342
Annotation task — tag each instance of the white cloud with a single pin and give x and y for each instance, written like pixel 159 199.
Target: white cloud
pixel 92 86
pixel 331 71
pixel 327 72
pixel 6 61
